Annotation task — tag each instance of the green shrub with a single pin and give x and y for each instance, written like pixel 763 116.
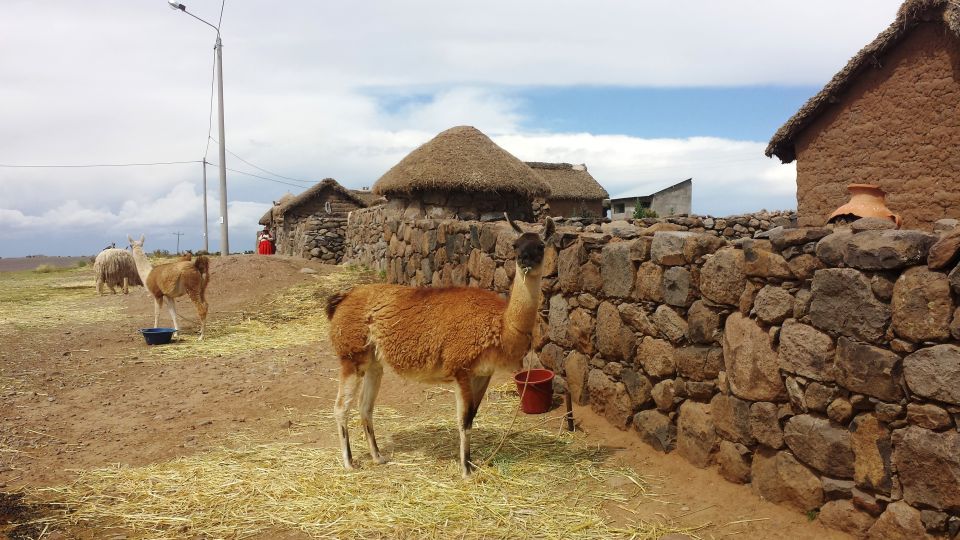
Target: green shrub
pixel 640 212
pixel 81 263
pixel 45 269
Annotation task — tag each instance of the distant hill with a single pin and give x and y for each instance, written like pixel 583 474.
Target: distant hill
pixel 16 264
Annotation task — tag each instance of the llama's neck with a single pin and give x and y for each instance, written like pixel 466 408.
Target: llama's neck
pixel 521 313
pixel 143 265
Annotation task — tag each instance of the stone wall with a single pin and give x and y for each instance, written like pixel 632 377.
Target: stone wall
pixel 820 366
pixel 314 237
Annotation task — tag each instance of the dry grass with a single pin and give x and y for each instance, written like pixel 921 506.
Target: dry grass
pixel 40 300
pixel 541 484
pixel 293 317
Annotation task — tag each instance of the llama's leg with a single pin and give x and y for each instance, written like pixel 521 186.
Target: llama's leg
pixel 157 304
pixel 349 381
pixel 99 287
pixel 172 307
pixel 126 286
pixel 478 387
pixel 368 395
pixel 112 289
pixel 201 305
pixel 465 414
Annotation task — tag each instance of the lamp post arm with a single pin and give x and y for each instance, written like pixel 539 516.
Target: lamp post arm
pixel 203 21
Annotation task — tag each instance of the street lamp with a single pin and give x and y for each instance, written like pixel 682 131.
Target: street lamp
pixel 224 241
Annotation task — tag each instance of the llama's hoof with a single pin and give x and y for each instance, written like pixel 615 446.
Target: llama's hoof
pixel 348 466
pixel 380 460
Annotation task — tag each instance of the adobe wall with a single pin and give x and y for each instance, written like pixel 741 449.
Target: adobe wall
pixel 897 127
pixel 575 208
pixel 820 366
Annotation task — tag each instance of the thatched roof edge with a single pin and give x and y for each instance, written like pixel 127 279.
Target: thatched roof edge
pixel 567 181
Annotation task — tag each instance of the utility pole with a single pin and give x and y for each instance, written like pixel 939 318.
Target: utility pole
pixel 178 235
pixel 206 244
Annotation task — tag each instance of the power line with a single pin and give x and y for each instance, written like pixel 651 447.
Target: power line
pixel 265 170
pixel 260 177
pixel 220 20
pixel 93 165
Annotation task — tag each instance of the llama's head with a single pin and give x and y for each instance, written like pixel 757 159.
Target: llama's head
pixel 136 244
pixel 529 247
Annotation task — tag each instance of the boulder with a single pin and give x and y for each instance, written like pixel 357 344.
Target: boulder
pixel 696 438
pixel 667 248
pixel 609 399
pixel 804 266
pixel 557 330
pixel 656 430
pixel 759 262
pixel 899 520
pixel 843 303
pixel 731 418
pixel 780 478
pixel 657 357
pixel 773 305
pixel 590 280
pixel 614 340
pixel 765 424
pixel 928 464
pixel 832 249
pixel 872 224
pixel 820 445
pixel 551 356
pixel 818 397
pixel 871 444
pixel 722 277
pixel 840 411
pixel 934 373
pixel 922 307
pixel 576 366
pixel 887 250
pixel 568 267
pixel 638 319
pixel 750 362
pixel 580 329
pixel 648 285
pixel 806 351
pixel 669 323
pixel 867 369
pixel 616 269
pixel 678 288
pixel 699 363
pixel 843 516
pixel 943 253
pixel 928 415
pixel 698 245
pixel 665 395
pixel 638 387
pixel 783 238
pixel 733 461
pixel 703 323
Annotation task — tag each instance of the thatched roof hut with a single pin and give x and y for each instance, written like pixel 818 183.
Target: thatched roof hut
pixel 273 212
pixel 910 14
pixel 573 190
pixel 461 159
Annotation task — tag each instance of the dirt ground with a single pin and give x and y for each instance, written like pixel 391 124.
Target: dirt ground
pixel 77 396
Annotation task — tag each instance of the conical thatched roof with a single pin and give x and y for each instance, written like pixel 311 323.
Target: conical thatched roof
pixel 911 13
pixel 315 190
pixel 461 159
pixel 568 181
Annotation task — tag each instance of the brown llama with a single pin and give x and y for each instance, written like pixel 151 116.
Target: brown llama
pixel 170 280
pixel 457 334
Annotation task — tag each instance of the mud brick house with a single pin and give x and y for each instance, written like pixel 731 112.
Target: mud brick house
pixel 890 117
pixel 461 174
pixel 574 192
pixel 311 225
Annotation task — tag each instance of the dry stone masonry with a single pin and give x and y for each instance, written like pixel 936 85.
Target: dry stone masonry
pixel 820 366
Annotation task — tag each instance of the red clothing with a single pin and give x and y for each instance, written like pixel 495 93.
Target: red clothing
pixel 265 247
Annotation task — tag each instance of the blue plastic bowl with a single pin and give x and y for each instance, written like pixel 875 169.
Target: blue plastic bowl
pixel 157 336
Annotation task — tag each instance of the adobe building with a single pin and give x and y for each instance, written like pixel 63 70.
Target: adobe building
pixel 461 174
pixel 672 200
pixel 891 117
pixel 574 192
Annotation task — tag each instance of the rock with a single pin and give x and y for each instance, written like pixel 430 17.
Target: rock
pixel 551 356
pixel 872 224
pixel 843 516
pixel 955 325
pixel 759 262
pixel 657 357
pixel 783 238
pixel 888 412
pixel 640 249
pixel 928 464
pixel 614 340
pixel 795 395
pixel 870 440
pixel 656 430
pixel 954 278
pixel 678 290
pixel 557 329
pixel 944 251
pixel 588 301
pixel 576 367
pixel 699 363
pixel 806 351
pixel 665 395
pixel 580 328
pixel 703 323
pixel 934 373
pixel 832 249
pixel 945 225
pixel 696 438
pixel 722 277
pixel 773 305
pixel 834 488
pixel 804 266
pixel 670 324
pixel 698 245
pixel 801 304
pixel 731 418
pixel 922 307
pixel 868 370
pixel 751 364
pixel 780 478
pixel 700 391
pixel 667 248
pixel 840 411
pixel 887 250
pixel 568 267
pixel 638 387
pixel 750 291
pixel 590 279
pixel 820 445
pixel 609 399
pixel 843 303
pixel 765 424
pixel 616 269
pixel 734 462
pixel 867 502
pixel 659 227
pixel 818 397
pixel 934 521
pixel 882 286
pixel 900 520
pixel 637 319
pixel 648 285
pixel 928 415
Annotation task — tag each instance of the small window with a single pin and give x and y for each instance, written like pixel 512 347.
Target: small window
pixel 619 208
pixel 327 207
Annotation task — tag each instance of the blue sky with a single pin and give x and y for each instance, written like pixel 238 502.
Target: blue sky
pixel 643 93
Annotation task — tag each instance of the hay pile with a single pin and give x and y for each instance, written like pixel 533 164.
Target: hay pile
pixel 541 484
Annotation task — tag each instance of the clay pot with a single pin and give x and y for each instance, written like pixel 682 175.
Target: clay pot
pixel 866 200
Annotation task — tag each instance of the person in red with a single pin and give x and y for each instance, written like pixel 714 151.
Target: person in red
pixel 265 243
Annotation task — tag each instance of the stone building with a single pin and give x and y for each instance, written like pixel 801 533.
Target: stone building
pixel 670 201
pixel 461 174
pixel 312 224
pixel 888 118
pixel 574 192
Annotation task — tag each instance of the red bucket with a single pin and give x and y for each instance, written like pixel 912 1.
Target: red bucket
pixel 539 393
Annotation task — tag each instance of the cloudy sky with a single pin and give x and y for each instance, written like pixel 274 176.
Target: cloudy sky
pixel 644 93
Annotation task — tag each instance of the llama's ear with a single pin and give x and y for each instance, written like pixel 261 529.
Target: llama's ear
pixel 512 224
pixel 141 239
pixel 129 240
pixel 549 228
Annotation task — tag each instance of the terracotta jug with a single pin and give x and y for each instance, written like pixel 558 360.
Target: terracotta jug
pixel 866 200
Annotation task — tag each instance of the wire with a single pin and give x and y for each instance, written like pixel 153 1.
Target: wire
pixel 258 176
pixel 92 165
pixel 213 78
pixel 220 20
pixel 265 170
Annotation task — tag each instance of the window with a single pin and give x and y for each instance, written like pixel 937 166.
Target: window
pixel 327 208
pixel 619 208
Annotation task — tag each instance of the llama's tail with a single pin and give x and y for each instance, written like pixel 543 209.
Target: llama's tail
pixel 334 301
pixel 202 264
